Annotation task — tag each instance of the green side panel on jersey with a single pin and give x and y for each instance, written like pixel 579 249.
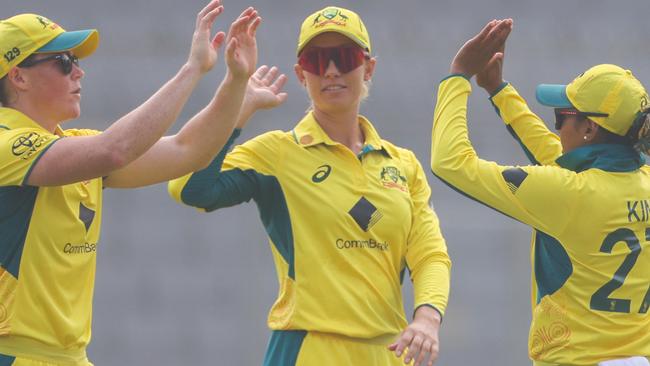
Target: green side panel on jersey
pixel 15 214
pixel 552 265
pixel 511 130
pixel 274 213
pixel 284 347
pixel 6 360
pixel 236 186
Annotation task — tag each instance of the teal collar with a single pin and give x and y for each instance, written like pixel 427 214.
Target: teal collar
pixel 607 157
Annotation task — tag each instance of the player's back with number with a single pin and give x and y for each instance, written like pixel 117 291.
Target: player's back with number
pixel 598 279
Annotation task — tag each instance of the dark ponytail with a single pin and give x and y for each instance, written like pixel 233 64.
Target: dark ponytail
pixel 639 134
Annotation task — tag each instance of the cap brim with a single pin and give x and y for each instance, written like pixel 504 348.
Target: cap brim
pixel 349 35
pixel 83 43
pixel 553 95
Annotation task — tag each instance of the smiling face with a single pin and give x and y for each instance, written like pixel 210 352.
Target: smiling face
pixel 334 91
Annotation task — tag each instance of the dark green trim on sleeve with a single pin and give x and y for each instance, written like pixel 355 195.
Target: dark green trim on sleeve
pixel 472 198
pixel 511 130
pixel 501 87
pixel 528 153
pixel 235 186
pixel 212 189
pixel 40 155
pixel 202 180
pixel 496 109
pixel 15 215
pixel 4 127
pixel 284 347
pixel 432 307
pixel 455 75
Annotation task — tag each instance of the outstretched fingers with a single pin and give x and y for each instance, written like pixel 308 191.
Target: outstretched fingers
pixel 252 27
pixel 279 83
pixel 205 18
pixel 241 23
pixel 269 76
pixel 496 38
pixel 260 72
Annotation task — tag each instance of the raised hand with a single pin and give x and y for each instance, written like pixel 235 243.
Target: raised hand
pixel 476 53
pixel 203 54
pixel 264 91
pixel 491 77
pixel 241 48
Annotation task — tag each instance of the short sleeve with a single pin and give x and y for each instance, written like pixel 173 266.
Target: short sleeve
pixel 20 149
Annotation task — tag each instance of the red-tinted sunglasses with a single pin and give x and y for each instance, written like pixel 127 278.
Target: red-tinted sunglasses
pixel 315 60
pixel 562 113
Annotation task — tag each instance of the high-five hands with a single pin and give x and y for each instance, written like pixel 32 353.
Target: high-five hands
pixel 264 91
pixel 203 53
pixel 481 50
pixel 491 77
pixel 241 46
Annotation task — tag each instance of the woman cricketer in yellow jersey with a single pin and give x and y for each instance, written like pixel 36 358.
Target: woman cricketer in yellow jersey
pixel 51 179
pixel 347 214
pixel 586 196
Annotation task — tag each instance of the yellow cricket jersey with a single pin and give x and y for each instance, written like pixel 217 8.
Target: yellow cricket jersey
pixel 342 228
pixel 48 244
pixel 590 210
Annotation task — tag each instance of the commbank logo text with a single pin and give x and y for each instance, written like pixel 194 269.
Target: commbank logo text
pixel 83 248
pixel 361 244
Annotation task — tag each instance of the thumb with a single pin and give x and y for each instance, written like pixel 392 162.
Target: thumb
pixel 496 60
pixel 282 97
pixel 218 39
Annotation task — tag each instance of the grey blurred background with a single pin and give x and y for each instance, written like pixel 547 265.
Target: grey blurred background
pixel 175 287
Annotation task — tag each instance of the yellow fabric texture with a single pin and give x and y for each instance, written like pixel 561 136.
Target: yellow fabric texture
pixel 24 34
pixel 47 291
pixel 347 279
pixel 609 89
pixel 581 211
pixel 330 349
pixel 334 19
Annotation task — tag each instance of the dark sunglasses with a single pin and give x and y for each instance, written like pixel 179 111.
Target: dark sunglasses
pixel 562 113
pixel 315 60
pixel 64 60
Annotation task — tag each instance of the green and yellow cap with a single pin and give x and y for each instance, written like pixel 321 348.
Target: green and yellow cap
pixel 334 19
pixel 607 89
pixel 25 34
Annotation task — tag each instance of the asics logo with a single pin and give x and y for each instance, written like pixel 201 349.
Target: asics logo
pixel 321 174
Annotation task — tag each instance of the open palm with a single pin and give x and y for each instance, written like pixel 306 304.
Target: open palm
pixel 264 91
pixel 203 53
pixel 241 49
